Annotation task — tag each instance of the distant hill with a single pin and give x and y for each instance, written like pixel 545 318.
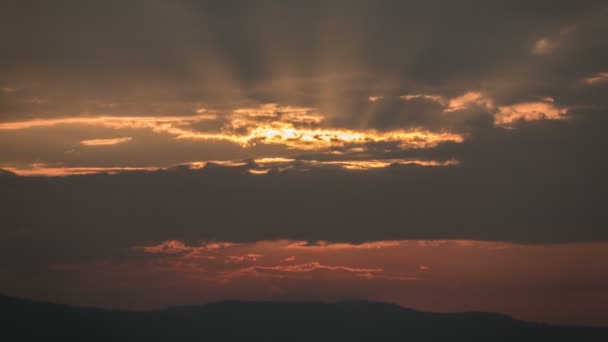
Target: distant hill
pixel 25 320
pixel 7 173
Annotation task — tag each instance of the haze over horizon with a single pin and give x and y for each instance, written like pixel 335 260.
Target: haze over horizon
pixel 440 156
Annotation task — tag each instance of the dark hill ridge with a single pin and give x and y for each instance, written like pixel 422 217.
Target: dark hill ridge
pixel 25 320
pixel 7 173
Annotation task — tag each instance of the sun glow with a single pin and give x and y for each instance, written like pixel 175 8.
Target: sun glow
pixel 270 124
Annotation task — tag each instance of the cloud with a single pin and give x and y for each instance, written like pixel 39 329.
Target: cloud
pixel 260 166
pixel 251 257
pixel 543 46
pixel 309 267
pixel 287 271
pixel 547 45
pixel 105 142
pixel 328 246
pixel 315 139
pixel 427 97
pixel 171 247
pixel 161 124
pixel 529 111
pixel 297 128
pixel 44 170
pixel 468 99
pixel 600 77
pixel 504 115
pixel 167 247
pixel 288 259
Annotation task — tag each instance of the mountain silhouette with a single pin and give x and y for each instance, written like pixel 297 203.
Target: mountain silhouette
pixel 26 320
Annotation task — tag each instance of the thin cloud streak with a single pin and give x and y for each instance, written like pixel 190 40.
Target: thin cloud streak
pixel 260 166
pixel 156 123
pixel 600 77
pixel 105 142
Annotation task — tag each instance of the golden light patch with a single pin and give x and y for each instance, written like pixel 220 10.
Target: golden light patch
pixel 259 171
pixel 294 127
pixel 467 100
pixel 58 171
pixel 528 111
pixel 428 97
pixel 321 138
pixel 156 123
pixel 105 142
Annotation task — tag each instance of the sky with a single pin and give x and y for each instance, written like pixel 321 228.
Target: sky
pixel 446 156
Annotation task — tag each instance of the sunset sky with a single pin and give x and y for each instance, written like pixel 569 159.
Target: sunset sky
pixel 441 155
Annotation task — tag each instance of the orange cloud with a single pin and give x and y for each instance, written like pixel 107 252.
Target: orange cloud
pixel 166 124
pixel 504 115
pixel 282 271
pixel 456 103
pixel 247 257
pixel 294 127
pixel 428 97
pixel 313 266
pixel 288 259
pixel 259 171
pixel 600 77
pixel 380 163
pixel 528 111
pixel 264 166
pixel 466 100
pixel 105 142
pixel 322 138
pixel 273 160
pixel 41 169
